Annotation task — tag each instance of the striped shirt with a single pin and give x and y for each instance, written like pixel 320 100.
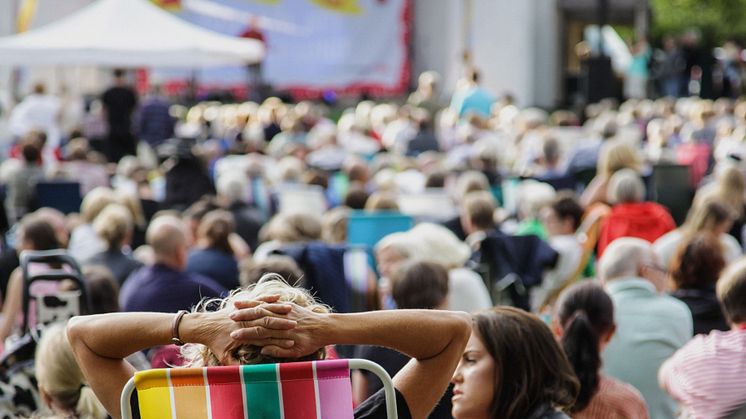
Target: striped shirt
pixel 708 374
pixel 614 400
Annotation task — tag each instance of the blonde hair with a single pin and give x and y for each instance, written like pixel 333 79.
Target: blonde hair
pixel 334 225
pixel 113 224
pixel 731 189
pixel 197 355
pixel 706 214
pixel 439 244
pixel 382 201
pixel 60 377
pixel 292 227
pixel 617 155
pixel 95 201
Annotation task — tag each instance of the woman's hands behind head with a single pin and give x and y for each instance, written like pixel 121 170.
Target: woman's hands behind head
pixel 261 322
pixel 263 325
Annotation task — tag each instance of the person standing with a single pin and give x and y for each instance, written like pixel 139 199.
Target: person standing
pixel 39 111
pixel 155 124
pixel 119 103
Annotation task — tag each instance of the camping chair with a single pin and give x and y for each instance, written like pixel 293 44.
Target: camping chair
pixel 294 390
pixel 62 196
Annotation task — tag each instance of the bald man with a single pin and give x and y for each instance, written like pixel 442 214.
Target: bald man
pixel 165 286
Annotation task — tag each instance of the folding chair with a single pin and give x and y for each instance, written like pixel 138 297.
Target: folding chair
pixel 296 390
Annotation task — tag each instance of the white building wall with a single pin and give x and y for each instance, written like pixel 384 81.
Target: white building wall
pixel 514 44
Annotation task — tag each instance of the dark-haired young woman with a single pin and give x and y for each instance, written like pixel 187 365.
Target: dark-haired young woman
pixel 584 321
pixel 512 368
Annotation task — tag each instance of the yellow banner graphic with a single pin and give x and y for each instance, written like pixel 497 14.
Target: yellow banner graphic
pixel 342 6
pixel 25 15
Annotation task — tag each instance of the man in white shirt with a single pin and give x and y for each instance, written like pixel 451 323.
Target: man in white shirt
pixel 38 111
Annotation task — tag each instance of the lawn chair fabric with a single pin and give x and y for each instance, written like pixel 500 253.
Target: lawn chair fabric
pixel 301 390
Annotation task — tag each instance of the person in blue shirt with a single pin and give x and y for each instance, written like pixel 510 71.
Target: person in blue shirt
pixel 472 99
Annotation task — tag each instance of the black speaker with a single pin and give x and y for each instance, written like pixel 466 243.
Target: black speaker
pixel 597 79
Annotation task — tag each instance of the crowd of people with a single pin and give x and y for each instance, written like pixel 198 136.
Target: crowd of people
pixel 587 298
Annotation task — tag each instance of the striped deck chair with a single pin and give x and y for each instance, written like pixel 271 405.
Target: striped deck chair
pixel 296 390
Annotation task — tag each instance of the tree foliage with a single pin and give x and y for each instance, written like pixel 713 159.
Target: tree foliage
pixel 717 19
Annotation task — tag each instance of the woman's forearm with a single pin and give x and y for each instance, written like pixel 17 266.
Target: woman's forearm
pixel 118 335
pixel 420 334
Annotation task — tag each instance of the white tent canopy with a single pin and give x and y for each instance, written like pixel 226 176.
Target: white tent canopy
pixel 126 33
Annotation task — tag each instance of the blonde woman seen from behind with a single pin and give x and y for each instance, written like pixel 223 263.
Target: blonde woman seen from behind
pixel 62 386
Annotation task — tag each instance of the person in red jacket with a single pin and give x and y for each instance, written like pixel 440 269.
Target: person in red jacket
pixel 631 216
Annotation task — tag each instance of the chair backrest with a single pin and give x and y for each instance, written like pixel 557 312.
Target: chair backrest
pixel 367 229
pixel 51 304
pixel 307 199
pixel 63 196
pixel 430 205
pixel 295 390
pixel 672 189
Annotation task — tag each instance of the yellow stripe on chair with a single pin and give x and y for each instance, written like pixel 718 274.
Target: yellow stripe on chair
pixel 152 390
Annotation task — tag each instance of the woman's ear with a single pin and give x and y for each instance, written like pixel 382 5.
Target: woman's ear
pixel 606 338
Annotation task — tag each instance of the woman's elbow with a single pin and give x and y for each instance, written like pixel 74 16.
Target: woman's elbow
pixel 462 327
pixel 75 331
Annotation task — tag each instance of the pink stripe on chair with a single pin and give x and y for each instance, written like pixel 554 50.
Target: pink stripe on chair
pixel 335 397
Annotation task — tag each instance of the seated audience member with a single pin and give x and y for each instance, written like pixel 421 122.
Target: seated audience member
pixel 62 386
pixel 356 197
pixel 416 285
pixel 84 242
pixel 650 326
pixel 706 216
pixel 114 226
pixel 631 216
pixel 694 272
pixel 614 156
pixel 381 201
pixel 434 339
pixel 334 225
pixel 287 228
pixel 438 244
pixel 584 322
pixel 478 217
pixel 561 219
pixel 549 164
pixel 34 233
pixel 21 182
pixel 232 188
pixel 728 188
pixel 79 168
pixel 708 375
pixel 532 197
pixel 466 183
pixel 512 368
pixel 285 266
pixel 165 286
pixel 213 256
pixel 193 217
